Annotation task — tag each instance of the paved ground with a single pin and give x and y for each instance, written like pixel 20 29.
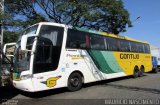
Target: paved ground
pixel 146 87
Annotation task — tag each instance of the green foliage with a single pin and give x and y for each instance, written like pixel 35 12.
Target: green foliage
pixel 10 36
pixel 13 25
pixel 105 15
pixel 25 9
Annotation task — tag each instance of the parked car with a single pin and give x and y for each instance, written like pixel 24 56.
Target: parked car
pixel 155 68
pixel 155 51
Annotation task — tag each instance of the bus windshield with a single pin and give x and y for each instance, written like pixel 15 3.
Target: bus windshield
pixel 22 58
pixel 31 30
pixel 47 50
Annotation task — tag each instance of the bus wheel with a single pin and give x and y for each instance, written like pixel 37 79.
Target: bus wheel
pixel 141 71
pixel 74 82
pixel 136 72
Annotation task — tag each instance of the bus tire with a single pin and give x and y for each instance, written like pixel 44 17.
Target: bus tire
pixel 74 82
pixel 136 72
pixel 141 71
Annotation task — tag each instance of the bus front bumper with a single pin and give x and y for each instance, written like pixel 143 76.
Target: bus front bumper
pixel 25 85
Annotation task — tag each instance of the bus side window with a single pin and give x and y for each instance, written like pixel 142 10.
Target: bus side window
pixel 112 44
pixel 146 48
pixel 76 39
pixel 97 42
pixel 140 47
pixel 124 46
pixel 134 47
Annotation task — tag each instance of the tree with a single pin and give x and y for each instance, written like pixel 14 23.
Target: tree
pixel 10 36
pixel 12 21
pixel 106 15
pixel 23 12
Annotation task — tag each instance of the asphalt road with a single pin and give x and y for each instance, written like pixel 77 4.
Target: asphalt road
pixel 126 90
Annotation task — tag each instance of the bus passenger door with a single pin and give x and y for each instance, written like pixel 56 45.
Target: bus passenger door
pixel 46 61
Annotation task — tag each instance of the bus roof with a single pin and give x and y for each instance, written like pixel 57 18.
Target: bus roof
pixel 93 31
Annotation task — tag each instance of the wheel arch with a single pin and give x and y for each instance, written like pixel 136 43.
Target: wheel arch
pixel 142 66
pixel 136 67
pixel 77 71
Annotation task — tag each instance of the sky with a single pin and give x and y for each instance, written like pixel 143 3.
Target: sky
pixel 146 28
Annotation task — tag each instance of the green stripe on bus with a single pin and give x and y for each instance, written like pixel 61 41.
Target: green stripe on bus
pixel 89 31
pixel 111 61
pixel 105 61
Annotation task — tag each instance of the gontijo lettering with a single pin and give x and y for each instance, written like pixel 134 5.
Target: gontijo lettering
pixel 129 56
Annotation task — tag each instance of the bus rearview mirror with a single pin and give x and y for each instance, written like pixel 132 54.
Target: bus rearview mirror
pixel 24 42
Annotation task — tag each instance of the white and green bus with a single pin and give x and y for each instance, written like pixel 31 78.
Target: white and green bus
pixel 50 55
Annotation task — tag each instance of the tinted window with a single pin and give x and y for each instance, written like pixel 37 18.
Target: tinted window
pixel 31 30
pixel 112 44
pixel 124 45
pixel 134 47
pixel 55 34
pixel 97 42
pixel 146 48
pixel 43 58
pixel 76 39
pixel 82 40
pixel 140 47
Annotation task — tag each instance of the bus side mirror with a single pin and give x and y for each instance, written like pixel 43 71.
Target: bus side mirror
pixel 8 49
pixel 24 42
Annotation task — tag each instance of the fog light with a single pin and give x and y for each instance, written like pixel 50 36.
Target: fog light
pixel 24 77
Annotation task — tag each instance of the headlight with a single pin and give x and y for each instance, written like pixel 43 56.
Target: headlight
pixel 24 77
